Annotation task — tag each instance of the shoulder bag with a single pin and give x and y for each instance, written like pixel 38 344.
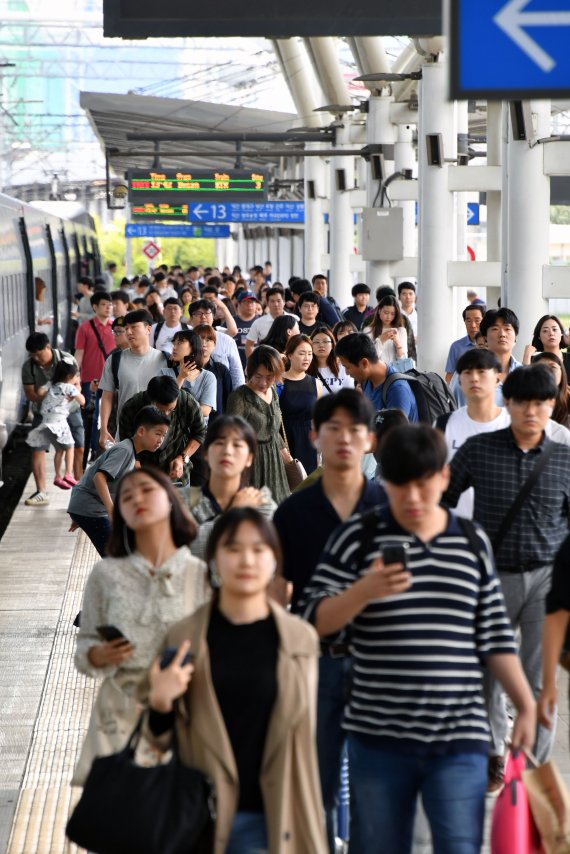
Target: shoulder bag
pixel 128 809
pixel 295 470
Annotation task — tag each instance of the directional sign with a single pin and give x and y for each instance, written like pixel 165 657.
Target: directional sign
pixel 156 229
pixel 472 213
pixel 268 212
pixel 510 49
pixel 151 250
pixel 175 186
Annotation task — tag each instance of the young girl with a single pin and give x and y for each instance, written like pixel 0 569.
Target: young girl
pixel 149 581
pixel 388 331
pixel 325 365
pixel 300 393
pixel 54 430
pixel 230 447
pixel 248 702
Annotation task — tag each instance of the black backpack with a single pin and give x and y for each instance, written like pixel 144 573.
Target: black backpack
pixel 432 394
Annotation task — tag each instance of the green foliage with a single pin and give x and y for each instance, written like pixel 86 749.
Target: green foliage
pixel 175 250
pixel 560 214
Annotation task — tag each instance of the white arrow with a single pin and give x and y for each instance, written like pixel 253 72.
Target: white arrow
pixel 199 211
pixel 512 18
pixel 470 214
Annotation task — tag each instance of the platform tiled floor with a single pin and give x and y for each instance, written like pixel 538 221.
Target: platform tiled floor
pixel 44 703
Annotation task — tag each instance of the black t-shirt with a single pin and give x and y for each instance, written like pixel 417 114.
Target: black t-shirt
pixel 559 596
pixel 243 662
pixel 243 327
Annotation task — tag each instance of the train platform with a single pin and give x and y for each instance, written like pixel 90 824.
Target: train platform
pixel 44 703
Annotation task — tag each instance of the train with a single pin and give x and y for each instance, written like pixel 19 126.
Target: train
pixel 44 248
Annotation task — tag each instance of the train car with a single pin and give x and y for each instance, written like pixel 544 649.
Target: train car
pixel 44 248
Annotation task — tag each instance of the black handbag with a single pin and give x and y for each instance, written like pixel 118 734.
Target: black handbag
pixel 128 809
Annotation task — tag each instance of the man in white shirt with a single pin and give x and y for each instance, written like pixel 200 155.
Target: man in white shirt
pixel 260 327
pixel 164 331
pixel 135 368
pixel 407 297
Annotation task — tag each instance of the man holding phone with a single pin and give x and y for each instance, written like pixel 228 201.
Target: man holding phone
pixel 421 628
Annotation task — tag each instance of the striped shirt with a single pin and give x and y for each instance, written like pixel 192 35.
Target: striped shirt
pixel 417 656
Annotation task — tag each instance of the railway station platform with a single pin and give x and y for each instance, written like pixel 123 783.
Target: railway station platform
pixel 44 703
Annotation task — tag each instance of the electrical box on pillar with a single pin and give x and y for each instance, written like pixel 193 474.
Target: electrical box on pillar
pixel 382 234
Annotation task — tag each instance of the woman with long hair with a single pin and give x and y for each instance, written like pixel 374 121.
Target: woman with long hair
pixel 186 365
pixel 258 404
pixel 281 330
pixel 561 410
pixel 153 304
pixel 297 400
pixel 244 710
pixel 325 365
pixel 223 377
pixel 229 448
pixel 387 329
pixel 343 328
pixel 547 337
pixel 149 580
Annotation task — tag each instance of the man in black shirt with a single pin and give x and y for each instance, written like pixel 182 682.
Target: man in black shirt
pixel 342 434
pixel 497 466
pixel 246 315
pixel 358 312
pixel 308 307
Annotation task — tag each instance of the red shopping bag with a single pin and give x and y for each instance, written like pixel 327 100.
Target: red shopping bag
pixel 513 830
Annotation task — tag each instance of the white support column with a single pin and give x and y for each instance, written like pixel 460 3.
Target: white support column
pixel 528 223
pixel 241 248
pixel 494 158
pixel 459 295
pixel 341 223
pixel 405 158
pixel 272 255
pixel 298 259
pixel 315 248
pixel 379 130
pixel 436 225
pixel 284 257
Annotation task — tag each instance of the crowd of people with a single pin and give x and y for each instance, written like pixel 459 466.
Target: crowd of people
pixel 360 586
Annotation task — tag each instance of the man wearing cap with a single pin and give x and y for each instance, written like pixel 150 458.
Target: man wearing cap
pixel 246 317
pixel 133 370
pixel 358 312
pixel 260 328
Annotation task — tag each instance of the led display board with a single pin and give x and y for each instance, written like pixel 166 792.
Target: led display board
pixel 151 211
pixel 274 18
pixel 175 186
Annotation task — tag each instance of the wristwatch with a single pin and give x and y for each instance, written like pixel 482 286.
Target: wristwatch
pixel 186 459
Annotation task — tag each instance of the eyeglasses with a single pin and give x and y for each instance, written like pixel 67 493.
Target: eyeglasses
pixel 326 341
pixel 204 313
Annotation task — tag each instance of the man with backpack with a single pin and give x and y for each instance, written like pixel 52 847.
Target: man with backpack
pixel 163 332
pixel 93 343
pixel 521 482
pixel 417 588
pixel 128 371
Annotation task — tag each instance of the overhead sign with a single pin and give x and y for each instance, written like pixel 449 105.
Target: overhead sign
pixel 261 212
pixel 472 213
pixel 161 211
pixel 151 250
pixel 145 18
pixel 510 49
pixel 157 229
pixel 175 186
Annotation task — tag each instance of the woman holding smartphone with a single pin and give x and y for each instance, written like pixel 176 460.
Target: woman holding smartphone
pixel 186 365
pixel 245 709
pixel 149 580
pixel 388 331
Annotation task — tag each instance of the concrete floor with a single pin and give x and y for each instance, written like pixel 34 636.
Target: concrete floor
pixel 44 703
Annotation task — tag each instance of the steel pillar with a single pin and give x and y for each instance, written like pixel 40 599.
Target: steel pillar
pixel 341 222
pixel 405 158
pixel 436 222
pixel 528 200
pixel 379 130
pixel 494 158
pixel 315 237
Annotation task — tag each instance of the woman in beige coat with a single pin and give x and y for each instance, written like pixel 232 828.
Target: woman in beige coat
pixel 246 714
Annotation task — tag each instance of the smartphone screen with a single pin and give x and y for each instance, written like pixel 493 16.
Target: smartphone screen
pixel 168 655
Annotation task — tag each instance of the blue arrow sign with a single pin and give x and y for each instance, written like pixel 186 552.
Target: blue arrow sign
pixel 472 213
pixel 267 212
pixel 158 229
pixel 509 49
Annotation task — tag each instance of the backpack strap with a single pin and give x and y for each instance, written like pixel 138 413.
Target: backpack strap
pixel 470 533
pixel 388 382
pixel 115 363
pixel 156 332
pixel 441 421
pixel 98 337
pixel 320 376
pixel 369 521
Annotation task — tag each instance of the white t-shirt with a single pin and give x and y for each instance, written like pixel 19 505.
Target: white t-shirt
pixel 333 383
pixel 387 349
pixel 458 429
pixel 163 341
pixel 260 327
pixel 135 373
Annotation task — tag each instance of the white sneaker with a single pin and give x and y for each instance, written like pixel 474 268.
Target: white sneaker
pixel 38 499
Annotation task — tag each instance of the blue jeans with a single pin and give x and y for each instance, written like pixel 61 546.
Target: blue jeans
pixel 332 697
pixel 384 790
pixel 97 528
pixel 248 834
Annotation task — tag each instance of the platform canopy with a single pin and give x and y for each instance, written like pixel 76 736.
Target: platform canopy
pixel 113 117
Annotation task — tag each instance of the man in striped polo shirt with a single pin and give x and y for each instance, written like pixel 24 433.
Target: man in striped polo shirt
pixel 421 632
